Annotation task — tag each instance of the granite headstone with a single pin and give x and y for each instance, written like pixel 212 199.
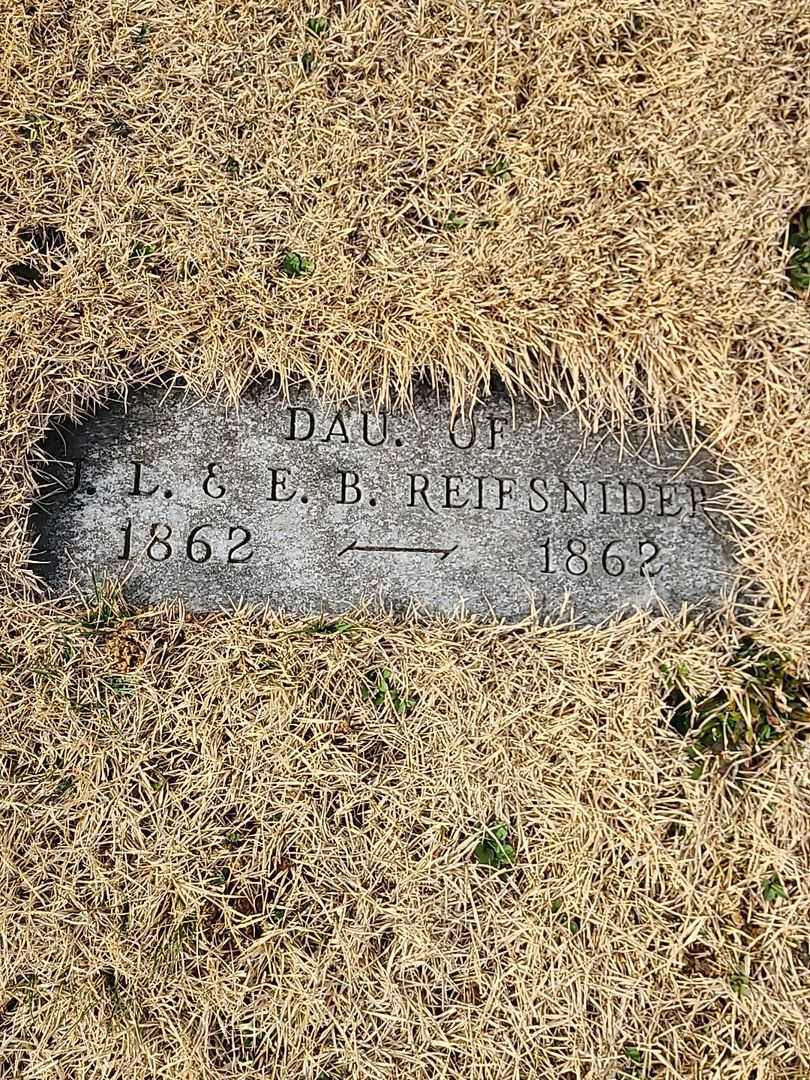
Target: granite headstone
pixel 313 507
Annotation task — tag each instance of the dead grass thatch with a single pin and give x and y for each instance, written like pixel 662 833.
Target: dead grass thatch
pixel 228 847
pixel 223 857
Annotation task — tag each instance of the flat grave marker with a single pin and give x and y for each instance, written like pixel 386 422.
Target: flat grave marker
pixel 312 508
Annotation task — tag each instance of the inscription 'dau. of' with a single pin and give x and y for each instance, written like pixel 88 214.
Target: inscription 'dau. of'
pixel 315 508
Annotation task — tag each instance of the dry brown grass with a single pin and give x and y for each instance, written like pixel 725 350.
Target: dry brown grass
pixel 655 153
pixel 217 858
pixel 221 860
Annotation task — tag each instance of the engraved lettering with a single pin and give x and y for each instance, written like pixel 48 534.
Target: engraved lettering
pixel 234 533
pixel 697 496
pixel 295 435
pixel 666 493
pixel 545 566
pixel 159 549
pixel 127 531
pixel 219 490
pixel 382 421
pixel 642 500
pixel 420 490
pixel 612 563
pixel 505 492
pixel 451 492
pixel 535 480
pixel 582 502
pixel 348 486
pixel 198 550
pixel 136 483
pixel 651 550
pixel 337 430
pixel 463 445
pixel 497 425
pixel 553 519
pixel 278 484
pixel 577 563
